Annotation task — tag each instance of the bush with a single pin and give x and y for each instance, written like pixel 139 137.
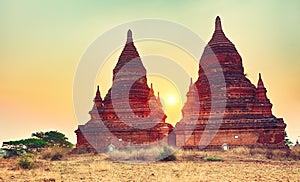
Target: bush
pixel 26 161
pixel 258 151
pixel 269 154
pixel 54 153
pixel 167 154
pixel 12 152
pixel 212 158
pixel 295 153
pixel 57 156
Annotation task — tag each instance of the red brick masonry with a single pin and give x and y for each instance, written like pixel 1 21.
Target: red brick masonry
pixel 135 116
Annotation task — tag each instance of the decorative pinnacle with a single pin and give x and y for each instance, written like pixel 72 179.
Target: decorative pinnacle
pixel 191 81
pixel 158 95
pixel 129 36
pixel 98 95
pixel 260 82
pixel 218 25
pixel 151 86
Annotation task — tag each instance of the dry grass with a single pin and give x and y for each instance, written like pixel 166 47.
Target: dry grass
pixel 295 153
pixel 143 154
pixel 54 153
pixel 190 166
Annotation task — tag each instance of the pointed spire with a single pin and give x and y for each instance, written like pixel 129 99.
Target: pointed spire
pixel 218 25
pixel 159 101
pixel 98 95
pixel 219 39
pixel 129 37
pixel 260 83
pixel 191 83
pixel 129 53
pixel 151 92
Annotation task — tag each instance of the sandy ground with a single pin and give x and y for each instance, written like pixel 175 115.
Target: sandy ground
pixel 100 168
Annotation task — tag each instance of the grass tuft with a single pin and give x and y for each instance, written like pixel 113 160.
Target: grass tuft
pixel 212 158
pixel 26 161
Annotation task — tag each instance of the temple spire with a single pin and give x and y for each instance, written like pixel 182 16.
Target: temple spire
pixel 218 25
pixel 191 83
pixel 159 101
pixel 129 37
pixel 219 39
pixel 98 105
pixel 260 83
pixel 98 96
pixel 151 93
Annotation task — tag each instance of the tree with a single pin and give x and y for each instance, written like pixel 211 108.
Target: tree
pixel 18 147
pixel 53 138
pixel 287 140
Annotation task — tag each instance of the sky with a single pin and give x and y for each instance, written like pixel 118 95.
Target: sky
pixel 42 42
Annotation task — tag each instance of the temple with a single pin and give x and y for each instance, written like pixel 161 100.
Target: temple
pixel 130 113
pixel 223 106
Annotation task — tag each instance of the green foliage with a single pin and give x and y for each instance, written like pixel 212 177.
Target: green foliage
pixel 287 140
pixel 11 152
pixel 29 144
pixel 42 140
pixel 26 161
pixel 19 147
pixel 53 138
pixel 167 154
pixel 212 158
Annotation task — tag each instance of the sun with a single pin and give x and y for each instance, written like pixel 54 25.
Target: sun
pixel 171 100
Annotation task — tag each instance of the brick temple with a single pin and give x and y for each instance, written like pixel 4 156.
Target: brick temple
pixel 242 113
pixel 130 113
pixel 222 106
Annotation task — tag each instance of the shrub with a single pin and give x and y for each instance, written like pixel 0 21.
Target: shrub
pixel 55 153
pixel 46 155
pixel 295 153
pixel 167 154
pixel 280 154
pixel 212 158
pixel 26 161
pixel 269 154
pixel 56 156
pixel 12 152
pixel 257 151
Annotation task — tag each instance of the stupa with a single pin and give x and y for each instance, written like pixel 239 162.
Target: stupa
pixel 130 113
pixel 224 107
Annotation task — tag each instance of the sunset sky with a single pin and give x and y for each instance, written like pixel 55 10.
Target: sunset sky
pixel 42 43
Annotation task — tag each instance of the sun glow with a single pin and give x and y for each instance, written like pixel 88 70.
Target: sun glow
pixel 171 100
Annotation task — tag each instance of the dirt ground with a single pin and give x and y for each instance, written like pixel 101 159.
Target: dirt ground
pixel 90 167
